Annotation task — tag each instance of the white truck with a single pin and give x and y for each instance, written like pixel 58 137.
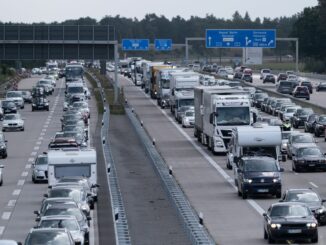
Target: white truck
pixel 72 163
pixel 181 90
pixel 222 113
pixel 256 140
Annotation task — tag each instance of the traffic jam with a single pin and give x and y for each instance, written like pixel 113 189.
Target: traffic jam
pixel 257 134
pixel 68 167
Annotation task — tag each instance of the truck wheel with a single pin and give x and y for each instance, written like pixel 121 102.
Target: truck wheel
pixel 228 165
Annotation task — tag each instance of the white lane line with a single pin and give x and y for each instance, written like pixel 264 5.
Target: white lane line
pixel 6 215
pixel 42 134
pixel 21 182
pixel 40 138
pixel 31 159
pixel 211 161
pixel 28 166
pixel 16 192
pixel 36 148
pixel 2 229
pixel 11 203
pixel 313 184
pixel 24 174
pixel 39 142
pixel 44 130
pixel 34 153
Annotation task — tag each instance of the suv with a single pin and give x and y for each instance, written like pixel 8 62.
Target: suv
pixel 300 117
pixel 310 123
pixel 259 175
pixel 269 78
pixel 281 76
pixel 301 92
pixel 306 84
pixel 264 72
pixel 320 125
pixel 16 97
pixel 247 78
pixel 284 87
pixel 297 140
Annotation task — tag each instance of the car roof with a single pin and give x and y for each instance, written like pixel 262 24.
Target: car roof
pixel 257 158
pixel 39 230
pixel 288 204
pixel 300 190
pixel 56 217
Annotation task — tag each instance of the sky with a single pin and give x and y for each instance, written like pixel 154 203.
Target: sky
pixel 29 11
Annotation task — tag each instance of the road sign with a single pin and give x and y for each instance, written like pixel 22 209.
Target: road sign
pixel 253 56
pixel 135 44
pixel 240 38
pixel 163 44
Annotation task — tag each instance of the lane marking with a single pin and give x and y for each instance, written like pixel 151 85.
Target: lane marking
pixel 36 148
pixel 44 130
pixel 42 134
pixel 28 166
pixel 11 203
pixel 313 184
pixel 31 159
pixel 45 126
pixel 38 142
pixel 40 138
pixel 34 153
pixel 21 182
pixel 24 174
pixel 2 229
pixel 6 215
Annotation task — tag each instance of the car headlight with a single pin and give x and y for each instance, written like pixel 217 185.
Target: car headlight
pixel 311 225
pixel 274 226
pixel 247 180
pixel 321 210
pixel 2 147
pixel 301 161
pixel 284 145
pixel 276 180
pixel 33 105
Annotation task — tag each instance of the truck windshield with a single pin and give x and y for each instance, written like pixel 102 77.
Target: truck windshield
pixel 268 151
pixel 74 72
pixel 72 170
pixel 185 102
pixel 165 83
pixel 233 116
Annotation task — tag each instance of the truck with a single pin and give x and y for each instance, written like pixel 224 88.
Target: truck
pixel 181 90
pixel 154 71
pixel 258 140
pixel 74 72
pixel 222 113
pixel 147 73
pixel 72 162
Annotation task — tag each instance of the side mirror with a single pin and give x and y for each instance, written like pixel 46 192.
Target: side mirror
pixel 264 214
pixel 89 218
pixel 282 170
pixel 38 219
pixel 46 195
pixel 323 200
pixel 211 118
pixel 37 212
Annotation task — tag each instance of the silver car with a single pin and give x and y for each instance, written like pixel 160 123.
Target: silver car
pixel 13 122
pixel 40 169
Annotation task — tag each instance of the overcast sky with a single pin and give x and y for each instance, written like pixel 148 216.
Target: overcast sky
pixel 59 10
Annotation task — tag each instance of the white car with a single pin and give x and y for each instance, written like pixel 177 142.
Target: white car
pixel 12 122
pixel 52 79
pixel 188 120
pixel 16 97
pixel 222 73
pixel 264 72
pixel 82 106
pixel 229 70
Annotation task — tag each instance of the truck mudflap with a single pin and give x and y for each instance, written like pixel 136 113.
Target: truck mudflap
pixel 219 145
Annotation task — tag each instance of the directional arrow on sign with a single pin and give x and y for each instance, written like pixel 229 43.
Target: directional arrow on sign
pixel 209 40
pixel 270 42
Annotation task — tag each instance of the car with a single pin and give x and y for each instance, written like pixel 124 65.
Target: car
pixel 309 125
pixel 300 117
pixel 289 73
pixel 247 78
pixel 61 142
pixel 301 92
pixel 229 70
pixel 38 91
pixel 27 95
pixel 83 107
pixel 40 169
pixel 8 106
pixel 269 78
pixel 40 103
pixel 79 136
pixel 247 71
pixel 288 112
pixel 46 90
pixel 188 120
pixel 297 140
pixel 9 242
pixel 258 175
pixel 3 146
pixel 285 140
pixel 320 125
pixel 48 202
pixel 284 87
pixel 258 99
pixel 307 84
pixel 308 158
pixel 310 198
pixel 181 111
pixel 49 236
pixel 264 72
pixel 16 97
pixel 290 221
pixel 46 83
pixel 321 87
pixel 64 222
pixel 292 77
pixel 281 76
pixel 13 122
pixel 222 73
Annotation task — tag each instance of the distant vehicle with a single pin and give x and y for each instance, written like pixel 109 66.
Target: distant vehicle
pixel 8 106
pixel 298 140
pixel 288 73
pixel 229 70
pixel 188 120
pixel 301 116
pixel 40 103
pixel 284 87
pixel 307 84
pixel 321 87
pixel 310 123
pixel 290 220
pixel 247 71
pixel 16 97
pixel 13 122
pixel 308 158
pixel 301 92
pixel 269 78
pixel 264 72
pixel 282 76
pixel 27 96
pixel 320 125
pixel 247 78
pixel 40 169
pixel 222 73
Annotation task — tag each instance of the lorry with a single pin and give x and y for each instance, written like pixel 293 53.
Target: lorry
pixel 154 71
pixel 72 162
pixel 222 113
pixel 181 90
pixel 147 73
pixel 74 71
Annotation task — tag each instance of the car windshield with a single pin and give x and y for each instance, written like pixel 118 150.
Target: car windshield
pixel 48 238
pixel 304 111
pixel 41 161
pixel 305 197
pixel 77 89
pixel 303 138
pixel 233 116
pixel 11 117
pixel 286 84
pixel 13 94
pixel 8 103
pixel 260 165
pixel 189 114
pixel 186 102
pixel 69 224
pixel 74 194
pixel 290 211
pixel 289 110
pixel 322 119
pixel 64 211
pixel 313 151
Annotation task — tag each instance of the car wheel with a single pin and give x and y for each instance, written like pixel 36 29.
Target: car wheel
pixel 23 129
pixel 265 235
pixel 239 193
pixel 315 239
pixel 317 134
pixel 270 240
pixel 5 155
pixel 278 194
pixel 229 166
pixel 3 130
pixel 244 195
pixel 305 130
pixel 295 125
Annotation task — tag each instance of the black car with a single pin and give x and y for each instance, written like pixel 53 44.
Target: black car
pixel 308 158
pixel 259 99
pixel 269 78
pixel 284 87
pixel 38 92
pixel 310 123
pixel 27 96
pixel 301 92
pixel 321 86
pixel 8 106
pixel 306 84
pixel 320 125
pixel 301 116
pixel 40 103
pixel 3 146
pixel 290 220
pixel 282 76
pixel 247 78
pixel 49 236
pixel 259 175
pixel 310 198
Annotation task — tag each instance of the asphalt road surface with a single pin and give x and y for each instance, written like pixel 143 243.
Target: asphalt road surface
pixel 207 182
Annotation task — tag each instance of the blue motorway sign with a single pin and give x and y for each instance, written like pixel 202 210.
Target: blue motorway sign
pixel 240 38
pixel 163 44
pixel 135 44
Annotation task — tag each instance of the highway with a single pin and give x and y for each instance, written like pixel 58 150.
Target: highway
pixel 19 196
pixel 207 182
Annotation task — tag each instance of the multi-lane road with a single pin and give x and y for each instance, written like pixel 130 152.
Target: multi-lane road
pixel 207 182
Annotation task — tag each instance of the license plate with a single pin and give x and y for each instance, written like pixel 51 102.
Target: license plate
pixel 294 231
pixel 262 190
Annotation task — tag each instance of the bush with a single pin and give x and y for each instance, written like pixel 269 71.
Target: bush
pixel 313 65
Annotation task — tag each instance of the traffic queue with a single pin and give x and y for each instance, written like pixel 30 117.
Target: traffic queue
pixel 255 131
